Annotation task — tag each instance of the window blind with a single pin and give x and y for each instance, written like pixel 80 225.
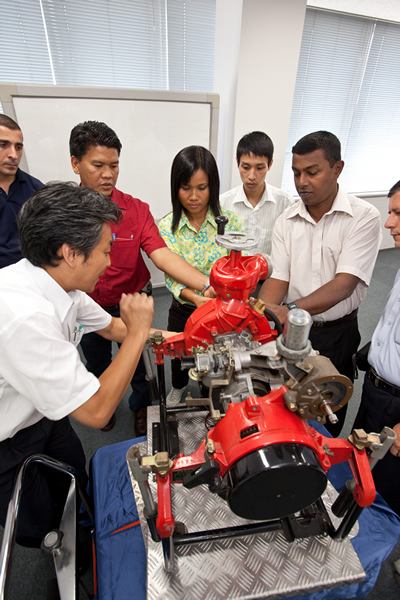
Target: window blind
pixel 152 44
pixel 348 74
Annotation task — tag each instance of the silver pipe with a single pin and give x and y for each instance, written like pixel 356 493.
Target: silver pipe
pixel 147 361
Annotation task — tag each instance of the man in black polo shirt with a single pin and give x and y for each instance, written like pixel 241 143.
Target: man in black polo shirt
pixel 16 187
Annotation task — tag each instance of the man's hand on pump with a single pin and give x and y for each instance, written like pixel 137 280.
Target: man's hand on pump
pixel 137 312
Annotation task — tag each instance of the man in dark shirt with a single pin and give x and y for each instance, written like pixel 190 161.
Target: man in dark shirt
pixel 95 150
pixel 16 187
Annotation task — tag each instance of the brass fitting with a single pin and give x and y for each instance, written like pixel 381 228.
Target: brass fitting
pixel 258 305
pixel 156 338
pixel 159 463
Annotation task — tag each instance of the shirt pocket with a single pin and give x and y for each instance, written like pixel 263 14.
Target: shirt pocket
pixel 124 253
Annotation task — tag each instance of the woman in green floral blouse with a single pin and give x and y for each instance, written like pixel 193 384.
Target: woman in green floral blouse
pixel 190 230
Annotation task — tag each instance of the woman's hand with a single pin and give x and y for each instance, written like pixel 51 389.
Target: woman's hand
pixel 200 300
pixel 210 293
pixel 191 296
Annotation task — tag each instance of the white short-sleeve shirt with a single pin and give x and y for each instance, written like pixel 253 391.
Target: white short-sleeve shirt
pixel 308 254
pixel 41 374
pixel 384 354
pixel 258 220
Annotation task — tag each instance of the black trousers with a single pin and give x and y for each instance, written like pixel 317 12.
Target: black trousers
pixel 44 489
pixel 177 317
pixel 378 409
pixel 98 354
pixel 338 343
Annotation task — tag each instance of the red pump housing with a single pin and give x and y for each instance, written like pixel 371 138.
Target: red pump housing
pixel 271 462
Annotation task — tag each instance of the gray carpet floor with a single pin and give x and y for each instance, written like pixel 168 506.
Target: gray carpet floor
pixel 31 568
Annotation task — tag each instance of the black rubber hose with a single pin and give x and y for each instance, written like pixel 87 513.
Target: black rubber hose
pixel 272 317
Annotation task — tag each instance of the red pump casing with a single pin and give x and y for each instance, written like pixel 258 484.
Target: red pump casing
pixel 233 277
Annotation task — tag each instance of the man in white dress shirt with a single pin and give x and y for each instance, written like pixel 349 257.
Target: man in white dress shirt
pixel 258 203
pixel 380 401
pixel 324 250
pixel 65 235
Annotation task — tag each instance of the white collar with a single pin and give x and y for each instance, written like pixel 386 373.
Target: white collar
pixel 340 204
pixel 266 197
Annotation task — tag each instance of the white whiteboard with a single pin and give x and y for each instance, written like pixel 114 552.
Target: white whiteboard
pixel 152 126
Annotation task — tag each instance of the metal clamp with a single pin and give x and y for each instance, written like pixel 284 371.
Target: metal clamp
pixel 377 443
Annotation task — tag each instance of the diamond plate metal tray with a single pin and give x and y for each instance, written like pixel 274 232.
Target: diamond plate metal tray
pixel 253 566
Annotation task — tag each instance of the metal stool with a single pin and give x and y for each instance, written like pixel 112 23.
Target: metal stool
pixel 60 543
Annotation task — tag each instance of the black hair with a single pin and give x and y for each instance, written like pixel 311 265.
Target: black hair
pixel 320 140
pixel 63 213
pixel 257 143
pixel 8 122
pixel 184 166
pixel 92 133
pixel 393 190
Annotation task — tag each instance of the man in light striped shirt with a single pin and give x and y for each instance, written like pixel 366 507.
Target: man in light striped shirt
pixel 258 203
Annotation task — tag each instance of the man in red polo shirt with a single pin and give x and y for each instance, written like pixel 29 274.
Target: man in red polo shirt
pixel 95 150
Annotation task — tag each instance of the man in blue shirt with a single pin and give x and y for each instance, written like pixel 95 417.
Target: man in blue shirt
pixel 16 187
pixel 380 401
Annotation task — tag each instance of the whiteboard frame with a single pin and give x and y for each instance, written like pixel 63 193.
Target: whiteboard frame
pixel 8 91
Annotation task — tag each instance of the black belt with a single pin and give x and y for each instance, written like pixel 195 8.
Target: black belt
pixel 344 319
pixel 382 384
pixel 186 308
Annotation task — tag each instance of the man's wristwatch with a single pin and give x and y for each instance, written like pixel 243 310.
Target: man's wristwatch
pixel 292 305
pixel 205 287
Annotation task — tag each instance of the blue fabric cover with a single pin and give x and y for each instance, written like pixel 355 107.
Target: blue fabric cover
pixel 121 557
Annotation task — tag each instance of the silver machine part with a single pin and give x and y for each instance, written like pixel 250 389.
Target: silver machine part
pixel 235 367
pixel 294 344
pixel 296 329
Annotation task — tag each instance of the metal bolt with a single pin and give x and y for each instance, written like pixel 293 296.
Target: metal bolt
pixel 210 447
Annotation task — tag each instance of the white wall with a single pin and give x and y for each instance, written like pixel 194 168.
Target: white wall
pixel 269 51
pixel 228 23
pixel 387 10
pixel 256 80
